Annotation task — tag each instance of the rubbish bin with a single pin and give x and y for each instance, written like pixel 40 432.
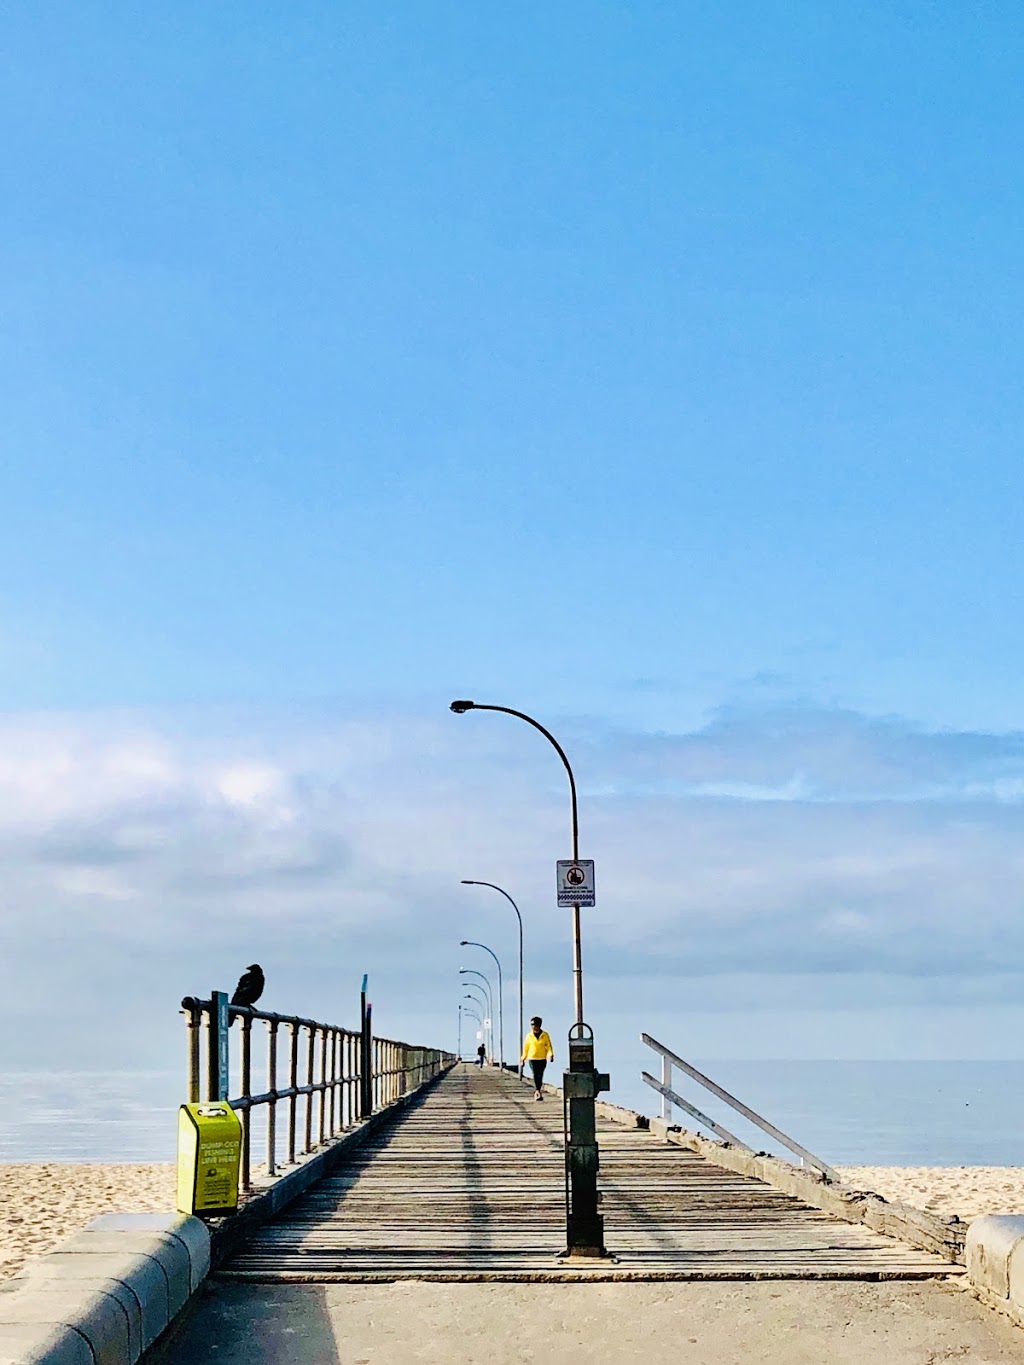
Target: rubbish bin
pixel 209 1150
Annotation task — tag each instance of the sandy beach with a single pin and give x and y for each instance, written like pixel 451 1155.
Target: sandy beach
pixel 966 1191
pixel 40 1204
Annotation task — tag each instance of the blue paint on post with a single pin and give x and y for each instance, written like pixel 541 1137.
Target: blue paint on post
pixel 220 1004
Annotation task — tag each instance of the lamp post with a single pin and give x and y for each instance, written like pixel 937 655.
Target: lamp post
pixel 470 971
pixel 581 1080
pixel 481 1000
pixel 460 708
pixel 487 1002
pixel 473 1014
pixel 503 892
pixel 459 1052
pixel 468 943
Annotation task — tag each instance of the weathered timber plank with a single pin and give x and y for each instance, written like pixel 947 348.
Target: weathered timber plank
pixel 470 1184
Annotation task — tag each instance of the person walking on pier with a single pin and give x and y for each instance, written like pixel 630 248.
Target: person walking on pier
pixel 481 1055
pixel 537 1050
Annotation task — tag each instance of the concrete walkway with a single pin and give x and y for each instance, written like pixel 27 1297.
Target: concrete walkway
pixel 748 1323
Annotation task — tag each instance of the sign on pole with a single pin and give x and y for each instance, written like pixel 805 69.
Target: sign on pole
pixel 575 881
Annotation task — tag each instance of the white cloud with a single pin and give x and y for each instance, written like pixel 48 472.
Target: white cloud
pixel 146 856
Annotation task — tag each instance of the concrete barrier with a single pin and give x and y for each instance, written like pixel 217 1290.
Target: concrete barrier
pixel 104 1295
pixel 995 1262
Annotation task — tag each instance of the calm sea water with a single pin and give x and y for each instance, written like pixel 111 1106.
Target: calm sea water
pixel 850 1113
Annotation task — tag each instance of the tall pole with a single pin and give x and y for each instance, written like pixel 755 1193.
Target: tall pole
pixel 582 1082
pixel 519 917
pixel 488 1005
pixel 459 707
pixel 459 1053
pixel 473 1015
pixel 481 1000
pixel 471 971
pixel 468 943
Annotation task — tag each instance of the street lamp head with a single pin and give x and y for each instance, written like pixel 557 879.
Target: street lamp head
pixel 466 882
pixel 461 707
pixel 463 942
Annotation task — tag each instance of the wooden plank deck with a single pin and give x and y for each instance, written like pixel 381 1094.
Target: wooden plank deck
pixel 469 1185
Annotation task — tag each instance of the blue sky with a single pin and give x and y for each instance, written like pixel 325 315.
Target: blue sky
pixel 653 368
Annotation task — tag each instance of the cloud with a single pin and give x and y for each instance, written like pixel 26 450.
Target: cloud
pixel 148 855
pixel 803 753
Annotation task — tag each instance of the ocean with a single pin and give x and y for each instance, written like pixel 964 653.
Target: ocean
pixel 849 1113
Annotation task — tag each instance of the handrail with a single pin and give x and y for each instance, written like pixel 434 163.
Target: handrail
pixel 321 1060
pixel 666 1091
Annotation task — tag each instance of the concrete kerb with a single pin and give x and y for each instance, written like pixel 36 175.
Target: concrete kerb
pixel 995 1262
pixel 106 1294
pixel 109 1291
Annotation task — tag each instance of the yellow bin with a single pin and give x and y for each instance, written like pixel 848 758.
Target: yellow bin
pixel 209 1150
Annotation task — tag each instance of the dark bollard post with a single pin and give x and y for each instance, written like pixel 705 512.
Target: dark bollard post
pixel 581 1086
pixel 365 1055
pixel 217 1056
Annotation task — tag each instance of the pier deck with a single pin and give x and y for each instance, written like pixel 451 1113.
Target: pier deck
pixel 468 1185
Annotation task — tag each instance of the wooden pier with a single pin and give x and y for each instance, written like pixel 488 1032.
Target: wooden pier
pixel 468 1184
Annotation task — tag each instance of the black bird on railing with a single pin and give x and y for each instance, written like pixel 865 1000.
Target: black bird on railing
pixel 250 986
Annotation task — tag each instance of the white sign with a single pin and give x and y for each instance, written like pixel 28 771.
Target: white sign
pixel 575 881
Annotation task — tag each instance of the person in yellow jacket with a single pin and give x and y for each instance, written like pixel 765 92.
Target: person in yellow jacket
pixel 537 1050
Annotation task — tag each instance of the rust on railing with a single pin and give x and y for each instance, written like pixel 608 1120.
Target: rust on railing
pixel 329 1060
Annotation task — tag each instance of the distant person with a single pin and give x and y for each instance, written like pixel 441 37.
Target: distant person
pixel 250 986
pixel 537 1050
pixel 481 1055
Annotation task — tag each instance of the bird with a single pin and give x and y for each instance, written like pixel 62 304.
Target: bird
pixel 250 986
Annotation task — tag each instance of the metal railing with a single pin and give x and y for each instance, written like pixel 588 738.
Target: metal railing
pixel 669 1098
pixel 334 1077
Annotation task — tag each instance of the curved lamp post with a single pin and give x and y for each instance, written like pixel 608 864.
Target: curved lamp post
pixel 481 1000
pixel 468 943
pixel 584 1224
pixel 470 971
pixel 460 708
pixel 473 1015
pixel 503 892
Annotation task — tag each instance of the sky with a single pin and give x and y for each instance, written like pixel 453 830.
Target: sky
pixel 654 369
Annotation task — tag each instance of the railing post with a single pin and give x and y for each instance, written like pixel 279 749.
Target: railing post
pixel 246 1094
pixel 293 1080
pixel 194 1013
pixel 366 1064
pixel 666 1080
pixel 310 1075
pixel 334 1081
pixel 217 1058
pixel 272 1087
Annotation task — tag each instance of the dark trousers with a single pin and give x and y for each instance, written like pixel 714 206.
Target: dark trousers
pixel 538 1073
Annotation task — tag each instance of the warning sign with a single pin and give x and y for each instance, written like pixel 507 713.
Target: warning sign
pixel 575 881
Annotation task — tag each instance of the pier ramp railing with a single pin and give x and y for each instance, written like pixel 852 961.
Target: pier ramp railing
pixel 669 1097
pixel 325 1077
